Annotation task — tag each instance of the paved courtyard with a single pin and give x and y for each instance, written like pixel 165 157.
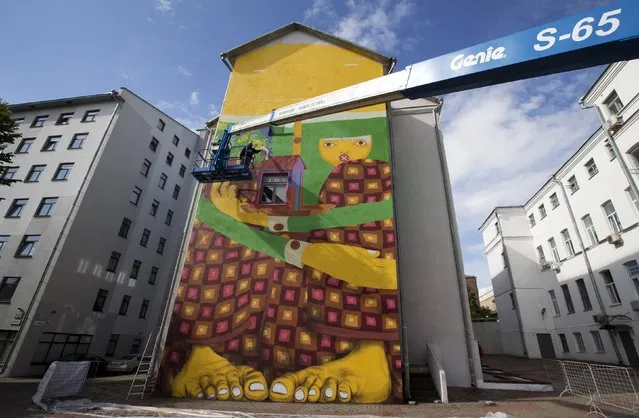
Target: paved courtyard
pixel 15 401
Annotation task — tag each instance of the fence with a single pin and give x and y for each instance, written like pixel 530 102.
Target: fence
pixel 600 384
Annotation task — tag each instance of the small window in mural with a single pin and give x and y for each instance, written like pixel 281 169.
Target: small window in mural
pixel 274 188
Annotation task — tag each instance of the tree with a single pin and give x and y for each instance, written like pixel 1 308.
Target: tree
pixel 477 311
pixel 8 135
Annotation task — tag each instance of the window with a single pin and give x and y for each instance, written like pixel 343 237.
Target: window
pixel 124 228
pixel 124 305
pixel 591 167
pixel 497 229
pixel 554 200
pixel 611 287
pixel 187 153
pixel 9 173
pixel 25 145
pixel 503 259
pixel 64 118
pixel 161 124
pixel 77 142
pixel 46 206
pixel 590 229
pixel 154 144
pixel 613 103
pixel 169 217
pixel 610 151
pixel 89 115
pixel 512 300
pixel 113 343
pixel 154 207
pixel 274 189
pixel 633 199
pixel 144 240
pixel 182 170
pixel 569 305
pixel 596 339
pixel 583 292
pixel 63 171
pixel 162 182
pixel 554 302
pixel 100 300
pixel 531 220
pixel 161 245
pixel 542 211
pixel 144 308
pixel 135 346
pixel 113 261
pixel 7 339
pixel 564 343
pixel 169 158
pixel 613 218
pixel 579 340
pixel 34 174
pixel 15 210
pixel 176 140
pixel 176 192
pixel 38 121
pixel 146 166
pixel 572 184
pixel 8 287
pixel 27 246
pixel 633 268
pixel 135 269
pixel 541 256
pixel 51 143
pixel 52 346
pixel 570 248
pixel 3 241
pixel 553 249
pixel 135 195
pixel 153 275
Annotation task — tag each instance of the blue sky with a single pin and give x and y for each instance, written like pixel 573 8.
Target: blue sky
pixel 502 142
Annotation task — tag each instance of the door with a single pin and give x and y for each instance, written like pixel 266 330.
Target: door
pixel 546 347
pixel 629 346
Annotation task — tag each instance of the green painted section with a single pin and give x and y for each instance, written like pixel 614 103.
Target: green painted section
pixel 344 216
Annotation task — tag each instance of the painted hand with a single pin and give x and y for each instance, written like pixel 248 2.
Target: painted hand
pixel 357 266
pixel 225 197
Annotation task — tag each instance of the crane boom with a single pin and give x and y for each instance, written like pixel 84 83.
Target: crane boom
pixel 604 35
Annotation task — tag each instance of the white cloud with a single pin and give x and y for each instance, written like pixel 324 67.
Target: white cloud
pixel 195 98
pixel 370 23
pixel 126 76
pixel 213 110
pixel 150 19
pixel 164 5
pixel 183 71
pixel 504 142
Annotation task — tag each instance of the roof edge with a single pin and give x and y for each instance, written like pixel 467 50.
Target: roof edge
pixel 65 101
pixel 231 54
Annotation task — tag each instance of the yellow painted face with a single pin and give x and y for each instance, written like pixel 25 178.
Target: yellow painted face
pixel 336 151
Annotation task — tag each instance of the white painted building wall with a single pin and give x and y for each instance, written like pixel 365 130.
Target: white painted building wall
pixel 72 277
pixel 608 183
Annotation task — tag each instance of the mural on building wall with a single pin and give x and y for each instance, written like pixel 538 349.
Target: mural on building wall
pixel 288 291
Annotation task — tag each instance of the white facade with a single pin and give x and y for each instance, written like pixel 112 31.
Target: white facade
pixel 55 308
pixel 566 295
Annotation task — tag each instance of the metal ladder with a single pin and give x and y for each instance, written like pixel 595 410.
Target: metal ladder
pixel 145 376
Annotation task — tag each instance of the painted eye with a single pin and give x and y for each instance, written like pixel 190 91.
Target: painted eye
pixel 329 144
pixel 361 143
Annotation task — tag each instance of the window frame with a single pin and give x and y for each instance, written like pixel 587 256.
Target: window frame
pixel 182 170
pixel 10 170
pixel 90 115
pixel 161 125
pixel 169 217
pixel 51 140
pixel 163 180
pixel 554 201
pixel 146 167
pixel 531 220
pixel 7 290
pixel 18 204
pixel 584 295
pixel 264 182
pixel 591 168
pixel 579 342
pixel 124 305
pixel 155 205
pixel 573 184
pixel 102 297
pixel 175 140
pixel 542 211
pixel 153 275
pixel 24 244
pixel 554 303
pixel 176 192
pixel 161 246
pixel 64 118
pixel 553 249
pixel 611 101
pixel 38 121
pixel 153 144
pixel 597 341
pixel 144 308
pixel 137 192
pixel 125 227
pixel 187 152
pixel 63 167
pixel 135 269
pixel 144 238
pixel 590 229
pixel 28 142
pixel 78 140
pixel 42 204
pixel 169 159
pixel 112 266
pixel 610 150
pixel 35 169
pixel 614 223
pixel 570 306
pixel 611 287
pixel 565 348
pixel 570 247
pixel 541 256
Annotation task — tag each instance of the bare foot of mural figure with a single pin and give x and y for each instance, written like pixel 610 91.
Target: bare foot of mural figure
pixel 362 376
pixel 209 375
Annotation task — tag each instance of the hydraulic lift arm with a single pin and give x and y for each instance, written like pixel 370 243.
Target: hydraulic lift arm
pixel 604 35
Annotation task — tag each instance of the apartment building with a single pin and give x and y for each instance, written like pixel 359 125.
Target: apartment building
pixel 565 265
pixel 90 235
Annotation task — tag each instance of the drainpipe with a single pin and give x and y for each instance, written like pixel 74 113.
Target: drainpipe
pixel 403 331
pixel 584 251
pixel 615 148
pixel 512 286
pixel 392 65
pixel 472 351
pixel 44 279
